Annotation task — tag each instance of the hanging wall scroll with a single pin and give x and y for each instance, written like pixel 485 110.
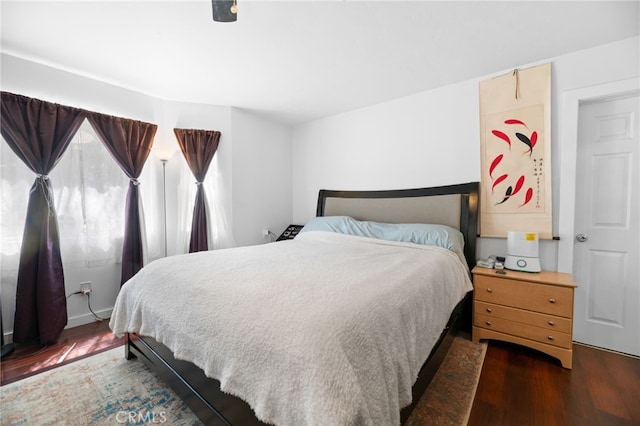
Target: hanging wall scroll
pixel 515 143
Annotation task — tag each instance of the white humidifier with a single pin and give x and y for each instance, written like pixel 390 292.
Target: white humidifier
pixel 522 252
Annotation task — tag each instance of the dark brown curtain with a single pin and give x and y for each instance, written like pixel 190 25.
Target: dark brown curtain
pixel 39 133
pixel 129 143
pixel 198 147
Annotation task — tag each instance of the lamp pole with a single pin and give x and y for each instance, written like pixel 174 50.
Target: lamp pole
pixel 164 202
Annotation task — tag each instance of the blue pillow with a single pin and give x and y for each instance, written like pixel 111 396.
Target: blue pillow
pixel 417 233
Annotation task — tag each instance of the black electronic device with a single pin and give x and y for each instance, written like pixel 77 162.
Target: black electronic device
pixel 290 232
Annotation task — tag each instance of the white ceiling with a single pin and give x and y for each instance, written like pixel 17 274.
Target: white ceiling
pixel 301 60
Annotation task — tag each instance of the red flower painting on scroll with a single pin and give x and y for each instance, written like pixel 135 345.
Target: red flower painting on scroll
pixel 515 160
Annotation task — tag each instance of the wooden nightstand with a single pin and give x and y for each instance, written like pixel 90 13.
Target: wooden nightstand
pixel 530 309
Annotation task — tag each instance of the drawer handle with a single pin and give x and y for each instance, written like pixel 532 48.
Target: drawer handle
pixel 552 323
pixel 550 337
pixel 488 322
pixel 489 290
pixel 552 300
pixel 489 310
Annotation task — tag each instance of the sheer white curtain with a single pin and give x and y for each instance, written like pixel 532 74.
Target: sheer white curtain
pixel 89 196
pixel 219 231
pixel 90 192
pixel 15 181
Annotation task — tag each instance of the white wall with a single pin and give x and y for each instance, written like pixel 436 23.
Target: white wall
pixel 432 138
pixel 259 187
pixel 261 176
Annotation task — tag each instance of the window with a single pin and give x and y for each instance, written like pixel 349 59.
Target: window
pixel 90 193
pixel 89 197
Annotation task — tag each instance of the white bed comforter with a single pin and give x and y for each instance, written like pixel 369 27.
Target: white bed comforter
pixel 326 329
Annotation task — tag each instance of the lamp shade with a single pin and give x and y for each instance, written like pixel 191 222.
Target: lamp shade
pixel 224 10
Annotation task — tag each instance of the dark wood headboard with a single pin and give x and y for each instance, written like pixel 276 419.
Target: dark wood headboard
pixel 452 205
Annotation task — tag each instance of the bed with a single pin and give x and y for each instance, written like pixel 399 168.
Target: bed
pixel 276 348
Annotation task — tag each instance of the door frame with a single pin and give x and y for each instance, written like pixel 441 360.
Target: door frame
pixel 568 154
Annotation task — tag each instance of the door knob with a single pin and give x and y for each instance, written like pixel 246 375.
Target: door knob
pixel 581 238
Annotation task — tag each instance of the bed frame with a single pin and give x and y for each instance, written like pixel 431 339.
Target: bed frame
pixel 453 205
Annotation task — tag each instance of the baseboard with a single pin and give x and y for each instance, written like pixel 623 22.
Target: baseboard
pixel 76 321
pixel 8 337
pixel 88 318
pixel 606 350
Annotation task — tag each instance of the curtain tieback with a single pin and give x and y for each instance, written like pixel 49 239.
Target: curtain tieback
pixel 40 181
pixel 134 181
pixel 199 183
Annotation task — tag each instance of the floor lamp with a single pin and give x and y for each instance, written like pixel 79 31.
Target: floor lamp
pixel 164 201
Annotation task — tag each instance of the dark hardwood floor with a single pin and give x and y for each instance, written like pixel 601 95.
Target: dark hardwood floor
pixel 518 386
pixel 74 343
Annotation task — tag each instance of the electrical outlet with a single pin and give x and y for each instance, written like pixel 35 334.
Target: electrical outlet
pixel 85 287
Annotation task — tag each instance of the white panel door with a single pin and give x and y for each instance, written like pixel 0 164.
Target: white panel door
pixel 607 224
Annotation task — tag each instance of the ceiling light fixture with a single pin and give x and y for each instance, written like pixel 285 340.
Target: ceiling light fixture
pixel 225 10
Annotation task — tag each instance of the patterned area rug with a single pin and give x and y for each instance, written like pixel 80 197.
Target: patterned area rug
pixel 105 389
pixel 449 397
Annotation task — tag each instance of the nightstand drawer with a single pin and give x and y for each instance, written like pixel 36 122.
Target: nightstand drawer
pixel 549 322
pixel 548 299
pixel 550 337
